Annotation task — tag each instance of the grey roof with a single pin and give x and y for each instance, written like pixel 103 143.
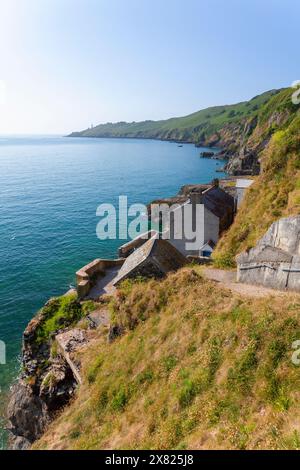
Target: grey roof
pixel 155 256
pixel 218 201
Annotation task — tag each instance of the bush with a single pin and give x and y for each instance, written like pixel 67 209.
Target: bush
pixel 120 400
pixel 59 313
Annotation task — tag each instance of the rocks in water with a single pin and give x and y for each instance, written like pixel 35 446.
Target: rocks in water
pixel 275 261
pixel 207 154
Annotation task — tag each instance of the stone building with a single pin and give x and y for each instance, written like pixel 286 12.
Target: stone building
pixel 241 186
pixel 215 213
pixel 153 259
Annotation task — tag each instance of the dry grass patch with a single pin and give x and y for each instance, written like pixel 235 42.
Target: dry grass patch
pixel 197 367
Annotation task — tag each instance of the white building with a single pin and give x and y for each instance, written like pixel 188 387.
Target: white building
pixel 215 213
pixel 241 186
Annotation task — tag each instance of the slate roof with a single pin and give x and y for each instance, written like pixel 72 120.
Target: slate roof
pixel 155 256
pixel 218 202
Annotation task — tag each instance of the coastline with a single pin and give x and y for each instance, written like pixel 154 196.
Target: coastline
pixel 29 394
pixel 178 190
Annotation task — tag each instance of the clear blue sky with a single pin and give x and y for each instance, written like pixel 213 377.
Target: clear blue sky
pixel 65 64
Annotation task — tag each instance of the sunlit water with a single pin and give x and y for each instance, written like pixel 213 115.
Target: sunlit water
pixel 50 188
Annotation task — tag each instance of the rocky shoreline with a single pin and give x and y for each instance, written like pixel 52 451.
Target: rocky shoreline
pixel 44 385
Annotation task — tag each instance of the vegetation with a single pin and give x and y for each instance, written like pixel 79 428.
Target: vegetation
pixel 59 313
pixel 276 192
pixel 197 367
pixel 196 127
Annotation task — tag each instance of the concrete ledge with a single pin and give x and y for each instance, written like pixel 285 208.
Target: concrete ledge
pixel 87 275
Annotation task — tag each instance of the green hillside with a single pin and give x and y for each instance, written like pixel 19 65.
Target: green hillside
pixel 276 192
pixel 196 127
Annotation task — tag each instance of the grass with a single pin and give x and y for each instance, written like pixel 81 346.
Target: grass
pixel 276 192
pixel 196 127
pixel 201 368
pixel 59 313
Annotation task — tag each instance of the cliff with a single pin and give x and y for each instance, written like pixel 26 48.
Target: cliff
pixel 189 363
pixel 50 369
pixel 275 193
pixel 228 127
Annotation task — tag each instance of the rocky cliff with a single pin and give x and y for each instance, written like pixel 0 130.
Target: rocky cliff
pixel 275 144
pixel 50 367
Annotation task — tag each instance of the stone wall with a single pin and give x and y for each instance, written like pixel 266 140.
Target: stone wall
pixel 86 276
pixel 275 261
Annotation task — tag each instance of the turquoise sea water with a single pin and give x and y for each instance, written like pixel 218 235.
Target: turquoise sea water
pixel 50 188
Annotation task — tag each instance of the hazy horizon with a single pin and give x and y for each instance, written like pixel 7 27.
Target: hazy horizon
pixel 67 64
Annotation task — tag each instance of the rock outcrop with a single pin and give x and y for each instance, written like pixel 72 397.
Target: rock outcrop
pixel 28 416
pixel 275 261
pixel 47 380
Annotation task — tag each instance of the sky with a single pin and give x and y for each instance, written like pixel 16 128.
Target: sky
pixel 67 64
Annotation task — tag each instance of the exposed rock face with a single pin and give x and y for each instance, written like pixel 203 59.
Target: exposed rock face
pixel 28 416
pixel 46 384
pixel 275 261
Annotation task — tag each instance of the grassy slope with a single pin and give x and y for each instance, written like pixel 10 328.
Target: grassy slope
pixel 203 368
pixel 276 192
pixel 193 127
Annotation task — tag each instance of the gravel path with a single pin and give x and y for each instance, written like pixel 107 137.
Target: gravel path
pixel 228 280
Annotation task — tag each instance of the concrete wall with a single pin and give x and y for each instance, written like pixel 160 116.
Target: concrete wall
pixel 85 276
pixel 240 193
pixel 211 227
pixel 208 226
pixel 181 243
pixel 275 261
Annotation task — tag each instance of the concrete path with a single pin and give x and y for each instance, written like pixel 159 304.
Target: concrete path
pixel 228 280
pixel 104 284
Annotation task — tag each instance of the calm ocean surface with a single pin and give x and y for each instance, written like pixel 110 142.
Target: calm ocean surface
pixel 50 188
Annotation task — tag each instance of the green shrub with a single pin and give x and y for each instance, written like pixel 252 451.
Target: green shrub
pixel 188 392
pixel 120 399
pixel 59 313
pixel 169 362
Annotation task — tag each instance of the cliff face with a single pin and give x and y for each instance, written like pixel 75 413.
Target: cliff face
pixel 47 381
pixel 274 146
